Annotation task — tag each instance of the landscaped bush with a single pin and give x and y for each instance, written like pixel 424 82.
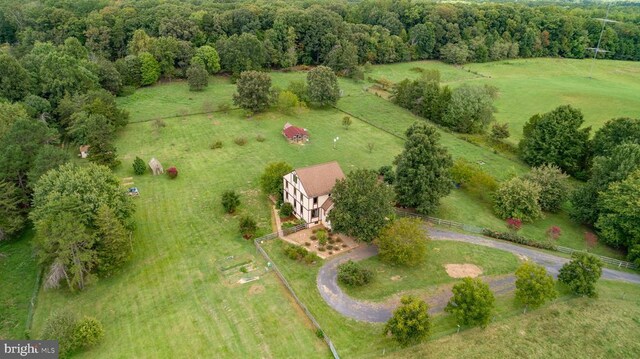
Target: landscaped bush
pixel 240 141
pixel 172 172
pixel 286 210
pixel 215 145
pixel 351 273
pixel 139 167
pixel 322 249
pixel 512 237
pixel 247 227
pixel 518 198
pixel 61 326
pixel 260 138
pixel 294 252
pixel 514 224
pixel 322 237
pixel 554 232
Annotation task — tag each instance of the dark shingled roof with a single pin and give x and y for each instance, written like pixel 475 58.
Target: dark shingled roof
pixel 318 180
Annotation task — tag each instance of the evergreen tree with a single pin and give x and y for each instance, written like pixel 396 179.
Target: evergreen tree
pixel 422 170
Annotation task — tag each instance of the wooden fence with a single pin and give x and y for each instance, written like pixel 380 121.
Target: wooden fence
pixel 258 242
pixel 612 261
pixel 474 229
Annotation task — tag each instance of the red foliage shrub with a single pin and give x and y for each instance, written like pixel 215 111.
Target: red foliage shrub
pixel 554 232
pixel 514 224
pixel 172 172
pixel 591 239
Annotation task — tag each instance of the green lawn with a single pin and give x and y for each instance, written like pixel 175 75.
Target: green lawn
pixel 580 324
pixel 391 280
pixel 602 90
pixel 18 271
pixel 171 300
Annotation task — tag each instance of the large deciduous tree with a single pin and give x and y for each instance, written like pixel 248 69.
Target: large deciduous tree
pixel 410 322
pixel 14 80
pixel 343 58
pixel 554 188
pixel 472 302
pixel 197 76
pixel 403 242
pixel 271 181
pixel 362 205
pixel 241 53
pixel 518 198
pixel 253 91
pixel 470 109
pixel 556 138
pixel 619 219
pixel 422 40
pixel 534 285
pixel 149 69
pixel 581 274
pixel 423 170
pixel 614 133
pixel 209 58
pixel 323 87
pixel 12 218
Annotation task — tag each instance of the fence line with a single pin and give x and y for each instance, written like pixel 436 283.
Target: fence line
pixel 474 229
pixel 616 262
pixel 258 242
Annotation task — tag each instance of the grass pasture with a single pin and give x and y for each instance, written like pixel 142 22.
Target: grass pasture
pixel 603 90
pixel 394 280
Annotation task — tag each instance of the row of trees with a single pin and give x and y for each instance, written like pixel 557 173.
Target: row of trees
pixel 473 302
pixel 466 109
pixel 255 93
pixel 286 33
pixel 610 162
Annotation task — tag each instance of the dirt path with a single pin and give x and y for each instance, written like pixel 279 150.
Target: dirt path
pixel 327 280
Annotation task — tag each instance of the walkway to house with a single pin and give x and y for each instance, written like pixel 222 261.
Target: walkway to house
pixel 381 312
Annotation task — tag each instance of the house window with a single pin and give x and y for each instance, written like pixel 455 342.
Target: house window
pixel 286 184
pixel 295 179
pixel 315 200
pixel 314 213
pixel 286 196
pixel 295 192
pixel 300 196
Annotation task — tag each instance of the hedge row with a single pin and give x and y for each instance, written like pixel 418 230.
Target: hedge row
pixel 515 238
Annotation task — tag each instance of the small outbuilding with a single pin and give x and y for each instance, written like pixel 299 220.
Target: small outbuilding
pixel 156 167
pixel 84 151
pixel 295 134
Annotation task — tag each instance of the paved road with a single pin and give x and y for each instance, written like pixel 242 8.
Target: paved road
pixel 381 312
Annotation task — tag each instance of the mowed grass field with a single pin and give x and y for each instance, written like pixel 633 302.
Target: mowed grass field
pixel 568 327
pixel 18 271
pixel 603 89
pixel 392 280
pixel 171 300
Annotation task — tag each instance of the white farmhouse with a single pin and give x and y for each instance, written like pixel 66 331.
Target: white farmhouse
pixel 308 190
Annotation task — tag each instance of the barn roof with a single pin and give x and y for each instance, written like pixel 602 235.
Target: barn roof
pixel 291 131
pixel 319 179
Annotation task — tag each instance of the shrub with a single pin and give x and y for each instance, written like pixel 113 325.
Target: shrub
pixel 172 172
pixel 240 141
pixel 287 102
pixel 313 237
pixel 514 224
pixel 472 302
pixel 554 188
pixel 139 167
pixel 322 237
pixel 403 242
pixel 410 322
pixel 307 244
pixel 581 274
pixel 215 145
pixel 499 131
pixel 230 201
pixel 346 122
pixel 260 138
pixel 387 174
pixel 286 210
pixel 515 238
pixel 591 239
pixel 518 198
pixel 61 326
pixel 87 333
pixel 158 124
pixel 554 232
pixel 321 249
pixel 351 273
pixel 247 227
pixel 294 252
pixel 473 179
pixel 311 258
pixel 329 247
pixel 534 285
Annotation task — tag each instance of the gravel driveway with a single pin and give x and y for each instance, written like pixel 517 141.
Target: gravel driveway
pixel 327 280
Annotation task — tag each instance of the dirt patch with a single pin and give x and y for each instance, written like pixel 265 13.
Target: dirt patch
pixel 216 123
pixel 396 278
pixel 463 270
pixel 256 289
